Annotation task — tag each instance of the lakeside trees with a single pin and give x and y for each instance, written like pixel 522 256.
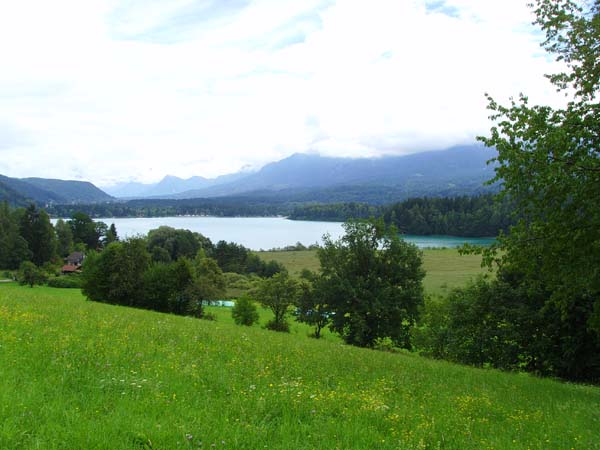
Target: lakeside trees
pixel 456 216
pixel 169 244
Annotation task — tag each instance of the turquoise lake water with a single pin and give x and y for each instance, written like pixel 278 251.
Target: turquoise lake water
pixel 265 233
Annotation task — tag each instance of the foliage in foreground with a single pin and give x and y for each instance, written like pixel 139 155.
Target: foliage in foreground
pixel 549 164
pixel 95 376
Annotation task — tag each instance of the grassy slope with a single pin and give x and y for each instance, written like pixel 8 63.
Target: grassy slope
pixel 78 374
pixel 445 268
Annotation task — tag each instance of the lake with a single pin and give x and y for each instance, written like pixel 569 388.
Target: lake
pixel 265 233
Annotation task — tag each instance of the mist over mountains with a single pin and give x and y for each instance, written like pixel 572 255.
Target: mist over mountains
pixel 456 171
pixel 169 185
pixel 299 178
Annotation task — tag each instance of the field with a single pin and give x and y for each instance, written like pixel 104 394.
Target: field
pixel 77 374
pixel 444 268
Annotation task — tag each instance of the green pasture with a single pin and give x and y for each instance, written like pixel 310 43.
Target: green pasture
pixel 82 375
pixel 445 268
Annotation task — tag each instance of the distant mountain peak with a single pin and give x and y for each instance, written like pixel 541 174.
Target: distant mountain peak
pixel 170 178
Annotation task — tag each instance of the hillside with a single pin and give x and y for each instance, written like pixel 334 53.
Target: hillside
pixel 89 375
pixel 10 195
pixel 71 191
pixel 19 191
pixel 43 191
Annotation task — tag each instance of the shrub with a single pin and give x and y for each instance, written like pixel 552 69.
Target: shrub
pixel 208 316
pixel 236 280
pixel 274 325
pixel 385 344
pixel 244 311
pixel 70 282
pixel 30 274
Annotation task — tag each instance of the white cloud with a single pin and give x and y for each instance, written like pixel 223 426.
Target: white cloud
pixel 114 90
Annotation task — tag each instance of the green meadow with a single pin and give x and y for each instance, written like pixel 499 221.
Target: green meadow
pixel 82 375
pixel 445 268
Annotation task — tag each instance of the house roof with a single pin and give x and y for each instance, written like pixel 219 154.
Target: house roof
pixel 69 268
pixel 75 257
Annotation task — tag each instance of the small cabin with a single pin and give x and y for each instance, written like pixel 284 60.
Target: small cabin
pixel 75 259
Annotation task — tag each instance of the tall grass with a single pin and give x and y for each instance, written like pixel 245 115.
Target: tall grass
pixel 83 375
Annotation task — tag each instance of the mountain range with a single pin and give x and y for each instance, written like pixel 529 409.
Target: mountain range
pixel 303 177
pixel 298 178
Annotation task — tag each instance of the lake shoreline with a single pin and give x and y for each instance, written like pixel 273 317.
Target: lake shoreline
pixel 264 233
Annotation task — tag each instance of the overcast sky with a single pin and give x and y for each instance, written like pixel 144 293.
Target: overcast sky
pixel 117 90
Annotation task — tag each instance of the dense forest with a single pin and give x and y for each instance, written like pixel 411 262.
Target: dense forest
pixel 457 216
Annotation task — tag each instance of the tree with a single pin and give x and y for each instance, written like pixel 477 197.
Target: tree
pixel 36 229
pixel 174 242
pixel 372 282
pixel 164 284
pixel 231 257
pixel 255 264
pixel 13 248
pixel 549 164
pixel 111 235
pixel 244 311
pixel 208 284
pixel 182 283
pixel 30 274
pixel 64 235
pixel 86 231
pixel 116 274
pixel 278 293
pixel 312 307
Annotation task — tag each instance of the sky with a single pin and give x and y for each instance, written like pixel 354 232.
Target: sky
pixel 132 90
